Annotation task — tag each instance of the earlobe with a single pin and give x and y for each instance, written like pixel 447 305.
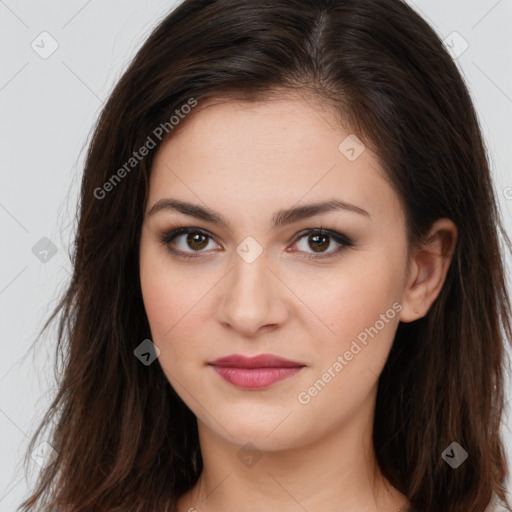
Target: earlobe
pixel 429 266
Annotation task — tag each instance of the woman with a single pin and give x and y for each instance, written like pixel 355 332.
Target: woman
pixel 288 290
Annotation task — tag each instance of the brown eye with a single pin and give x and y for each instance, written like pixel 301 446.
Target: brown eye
pixel 319 241
pixel 189 246
pixel 196 240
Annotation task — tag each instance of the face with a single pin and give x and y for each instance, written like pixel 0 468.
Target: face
pixel 254 275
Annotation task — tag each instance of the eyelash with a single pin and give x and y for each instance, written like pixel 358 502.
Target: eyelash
pixel 339 238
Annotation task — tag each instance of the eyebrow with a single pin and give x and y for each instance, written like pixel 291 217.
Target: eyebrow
pixel 280 218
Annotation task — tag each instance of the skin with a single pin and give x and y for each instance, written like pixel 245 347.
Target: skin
pixel 246 162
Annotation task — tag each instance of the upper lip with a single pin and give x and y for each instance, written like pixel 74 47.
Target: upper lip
pixel 261 361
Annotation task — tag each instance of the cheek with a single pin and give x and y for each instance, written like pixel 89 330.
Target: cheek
pixel 359 303
pixel 343 300
pixel 166 313
pixel 174 300
pixel 163 292
pixel 362 309
pixel 366 295
pixel 160 302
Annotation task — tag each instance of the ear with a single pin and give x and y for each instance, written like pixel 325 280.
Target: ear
pixel 428 267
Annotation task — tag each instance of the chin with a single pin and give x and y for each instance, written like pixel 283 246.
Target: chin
pixel 267 432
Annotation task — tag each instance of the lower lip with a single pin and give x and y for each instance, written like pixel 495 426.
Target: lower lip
pixel 254 378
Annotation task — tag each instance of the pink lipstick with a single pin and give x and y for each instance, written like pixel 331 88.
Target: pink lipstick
pixel 257 372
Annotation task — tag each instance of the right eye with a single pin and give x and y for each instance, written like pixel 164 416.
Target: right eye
pixel 195 239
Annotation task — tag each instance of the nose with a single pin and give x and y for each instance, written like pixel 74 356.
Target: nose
pixel 252 298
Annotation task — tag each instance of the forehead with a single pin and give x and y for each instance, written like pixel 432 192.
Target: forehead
pixel 242 127
pixel 275 152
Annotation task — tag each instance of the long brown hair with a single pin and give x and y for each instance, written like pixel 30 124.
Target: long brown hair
pixel 124 440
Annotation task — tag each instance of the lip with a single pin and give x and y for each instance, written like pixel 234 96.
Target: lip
pixel 261 361
pixel 257 372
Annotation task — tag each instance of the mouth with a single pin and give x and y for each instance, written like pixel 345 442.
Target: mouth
pixel 257 372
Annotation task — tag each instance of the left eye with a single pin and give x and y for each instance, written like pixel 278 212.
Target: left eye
pixel 321 239
pixel 197 240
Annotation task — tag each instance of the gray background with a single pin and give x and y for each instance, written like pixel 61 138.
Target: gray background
pixel 48 106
